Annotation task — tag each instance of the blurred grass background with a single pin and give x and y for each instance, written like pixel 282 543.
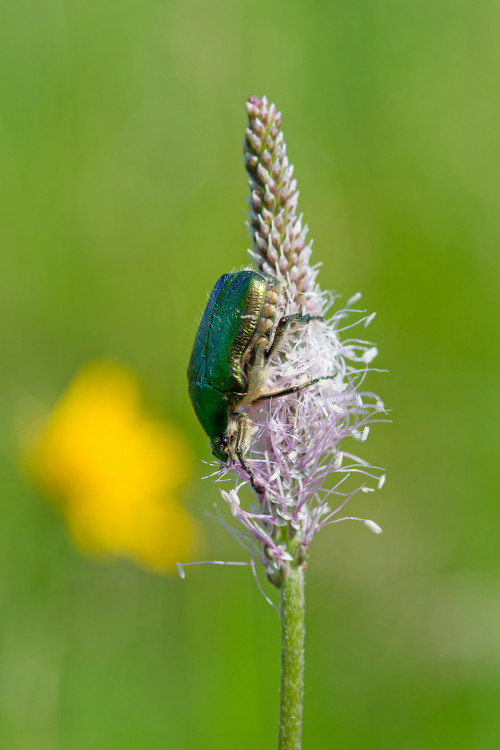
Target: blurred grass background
pixel 122 201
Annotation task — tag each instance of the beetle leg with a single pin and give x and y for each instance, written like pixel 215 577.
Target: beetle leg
pixel 255 355
pixel 258 489
pixel 292 388
pixel 282 326
pixel 244 430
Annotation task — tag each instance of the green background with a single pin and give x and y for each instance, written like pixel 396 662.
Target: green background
pixel 122 201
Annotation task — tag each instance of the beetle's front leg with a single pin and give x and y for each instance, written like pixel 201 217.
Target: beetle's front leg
pixel 292 388
pixel 283 325
pixel 242 441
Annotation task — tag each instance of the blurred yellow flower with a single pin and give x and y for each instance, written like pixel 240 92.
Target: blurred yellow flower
pixel 115 470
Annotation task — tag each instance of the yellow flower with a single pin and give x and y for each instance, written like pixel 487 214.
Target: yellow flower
pixel 116 471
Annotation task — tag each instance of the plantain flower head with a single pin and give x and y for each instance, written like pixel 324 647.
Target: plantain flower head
pixel 303 452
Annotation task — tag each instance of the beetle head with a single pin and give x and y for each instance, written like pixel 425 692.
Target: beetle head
pixel 221 448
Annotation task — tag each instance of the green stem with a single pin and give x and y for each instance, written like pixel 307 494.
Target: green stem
pixel 292 660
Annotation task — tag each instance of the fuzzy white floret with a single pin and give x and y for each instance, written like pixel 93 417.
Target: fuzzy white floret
pixel 373 526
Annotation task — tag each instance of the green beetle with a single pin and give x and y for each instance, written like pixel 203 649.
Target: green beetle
pixel 227 370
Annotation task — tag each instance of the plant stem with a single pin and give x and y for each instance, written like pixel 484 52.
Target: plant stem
pixel 292 660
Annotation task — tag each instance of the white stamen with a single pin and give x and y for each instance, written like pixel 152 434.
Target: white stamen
pixel 355 298
pixel 336 409
pixel 180 571
pixel 232 500
pixel 373 526
pixel 369 319
pixel 381 482
pixel 369 355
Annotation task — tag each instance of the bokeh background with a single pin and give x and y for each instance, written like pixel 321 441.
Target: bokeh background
pixel 122 201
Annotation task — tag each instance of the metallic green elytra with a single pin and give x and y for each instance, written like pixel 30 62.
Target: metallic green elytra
pixel 227 370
